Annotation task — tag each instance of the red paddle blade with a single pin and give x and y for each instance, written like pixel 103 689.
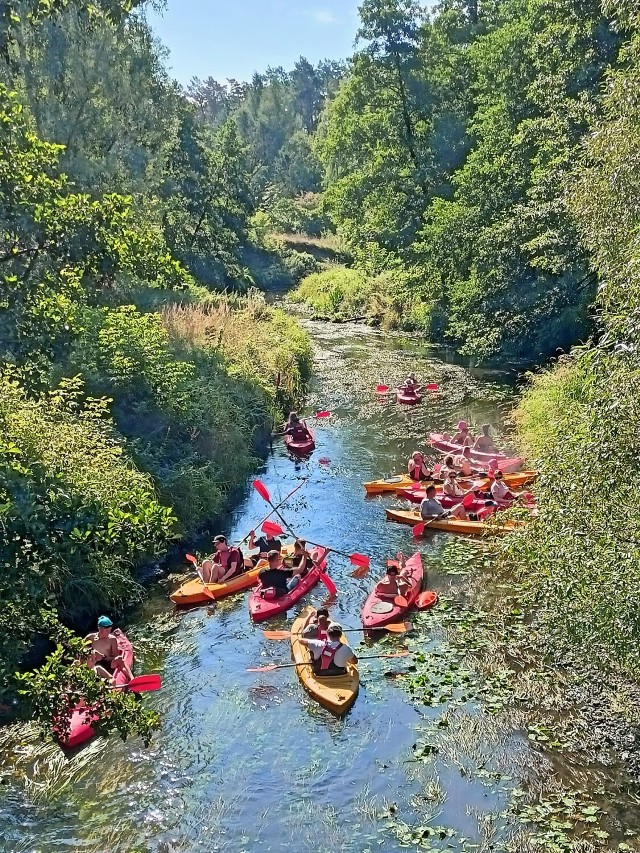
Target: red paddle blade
pixel 331 587
pixel 433 386
pixel 324 460
pixel 382 389
pixel 468 500
pixel 144 684
pixel 400 601
pixel 263 668
pixel 360 560
pixel 261 489
pixel 191 559
pixel 323 414
pixel 426 599
pixel 418 529
pixel 528 496
pixel 271 528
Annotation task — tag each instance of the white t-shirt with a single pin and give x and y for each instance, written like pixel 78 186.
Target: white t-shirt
pixel 499 490
pixel 341 657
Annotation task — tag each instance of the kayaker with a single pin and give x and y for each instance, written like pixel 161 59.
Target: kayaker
pixel 301 562
pixel 448 466
pixel 463 462
pixel 417 467
pixel 296 428
pixel 462 436
pixel 500 492
pixel 393 584
pixel 317 624
pixel 275 575
pixel 451 488
pixel 264 544
pixel 105 656
pixel 227 562
pixel 331 656
pixel 410 383
pixel 432 508
pixel 484 442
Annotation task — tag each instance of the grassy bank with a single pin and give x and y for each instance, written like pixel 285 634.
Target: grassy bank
pixel 383 300
pixel 152 423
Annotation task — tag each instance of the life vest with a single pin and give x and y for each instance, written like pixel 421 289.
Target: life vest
pixel 321 633
pixel 324 665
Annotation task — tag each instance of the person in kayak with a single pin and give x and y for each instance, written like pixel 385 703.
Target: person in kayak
pixel 432 508
pixel 316 624
pixel 295 428
pixel 462 462
pixel 500 492
pixel 462 436
pixel 410 384
pixel 393 584
pixel 227 562
pixel 105 656
pixel 264 544
pixel 484 443
pixel 275 575
pixel 331 656
pixel 451 488
pixel 301 562
pixel 417 467
pixel 449 465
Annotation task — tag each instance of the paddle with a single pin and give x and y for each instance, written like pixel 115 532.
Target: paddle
pixel 141 684
pixel 382 389
pixel 270 668
pixel 205 588
pixel 270 528
pixel 400 601
pixel 394 628
pixel 323 414
pixel 418 529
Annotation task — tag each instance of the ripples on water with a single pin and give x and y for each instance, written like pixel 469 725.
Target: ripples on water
pixel 248 761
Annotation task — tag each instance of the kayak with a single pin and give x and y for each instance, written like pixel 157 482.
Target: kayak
pixel 80 729
pixel 391 484
pixel 301 448
pixel 193 591
pixel 337 693
pixel 445 445
pixel 450 525
pixel 377 612
pixel 264 608
pixel 409 398
pixel 514 481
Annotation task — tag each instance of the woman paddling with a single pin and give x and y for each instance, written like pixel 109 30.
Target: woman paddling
pixel 296 428
pixel 393 584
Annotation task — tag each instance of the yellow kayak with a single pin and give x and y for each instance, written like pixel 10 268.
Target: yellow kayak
pixel 392 484
pixel 193 591
pixel 451 525
pixel 337 693
pixel 397 482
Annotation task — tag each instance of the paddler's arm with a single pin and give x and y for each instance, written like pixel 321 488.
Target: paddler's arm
pixel 230 571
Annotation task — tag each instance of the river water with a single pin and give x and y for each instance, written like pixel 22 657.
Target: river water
pixel 247 761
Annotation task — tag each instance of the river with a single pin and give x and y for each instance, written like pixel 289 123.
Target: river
pixel 248 762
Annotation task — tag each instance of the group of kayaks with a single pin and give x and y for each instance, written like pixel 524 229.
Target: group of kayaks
pixel 336 693
pixel 403 486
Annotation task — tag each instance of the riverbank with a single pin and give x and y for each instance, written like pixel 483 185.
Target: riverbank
pixel 147 436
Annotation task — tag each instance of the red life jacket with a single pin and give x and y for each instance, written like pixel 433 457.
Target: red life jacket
pixel 324 665
pixel 234 555
pixel 321 634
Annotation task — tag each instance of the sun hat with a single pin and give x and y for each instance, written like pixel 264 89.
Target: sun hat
pixel 104 622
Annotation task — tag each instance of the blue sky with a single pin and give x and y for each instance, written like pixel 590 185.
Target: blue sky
pixel 234 38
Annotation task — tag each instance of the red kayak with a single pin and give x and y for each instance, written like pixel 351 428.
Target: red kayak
pixel 409 398
pixel 506 465
pixel 301 448
pixel 447 502
pixel 377 612
pixel 264 608
pixel 80 729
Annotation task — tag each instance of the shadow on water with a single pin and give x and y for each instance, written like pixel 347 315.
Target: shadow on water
pixel 248 761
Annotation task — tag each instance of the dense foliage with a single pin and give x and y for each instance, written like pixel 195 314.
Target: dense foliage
pixel 580 559
pixel 133 401
pixel 446 153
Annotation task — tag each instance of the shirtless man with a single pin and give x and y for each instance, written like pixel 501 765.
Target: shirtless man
pixel 105 655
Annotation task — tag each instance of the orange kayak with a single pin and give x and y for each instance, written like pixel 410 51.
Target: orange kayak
pixel 450 525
